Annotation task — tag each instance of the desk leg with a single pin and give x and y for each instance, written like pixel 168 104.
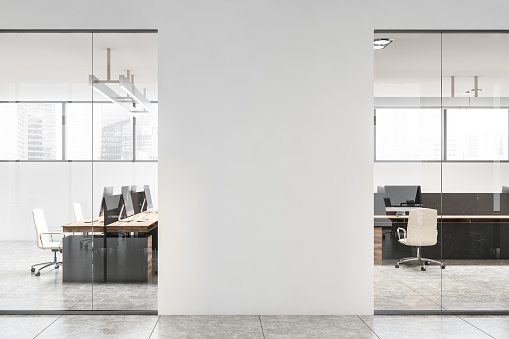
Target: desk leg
pixel 149 258
pixel 378 245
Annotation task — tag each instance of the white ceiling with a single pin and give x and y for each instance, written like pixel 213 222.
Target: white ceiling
pixel 56 66
pixel 412 65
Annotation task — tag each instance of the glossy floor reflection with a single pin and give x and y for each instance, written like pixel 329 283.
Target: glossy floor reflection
pixel 255 327
pixel 463 285
pixel 22 290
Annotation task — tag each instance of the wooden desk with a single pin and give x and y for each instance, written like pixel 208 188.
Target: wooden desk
pixel 115 258
pixel 445 219
pixel 118 226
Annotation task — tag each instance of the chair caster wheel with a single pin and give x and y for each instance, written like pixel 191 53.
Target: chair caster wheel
pixel 383 236
pixel 443 266
pixel 397 265
pixel 32 270
pixel 56 267
pixel 426 262
pixel 423 269
pixel 37 274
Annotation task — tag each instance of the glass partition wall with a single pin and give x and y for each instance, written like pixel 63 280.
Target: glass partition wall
pixel 64 139
pixel 441 135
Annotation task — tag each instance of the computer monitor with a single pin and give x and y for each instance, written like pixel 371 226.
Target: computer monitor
pixel 147 204
pixel 107 192
pixel 134 188
pixel 127 208
pixel 403 195
pixel 112 208
pixel 505 189
pixel 138 198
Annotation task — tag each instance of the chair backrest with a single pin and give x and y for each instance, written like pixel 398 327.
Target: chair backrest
pixel 422 227
pixel 78 214
pixel 40 227
pixel 381 210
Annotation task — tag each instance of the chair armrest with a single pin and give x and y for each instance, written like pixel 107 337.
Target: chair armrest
pixel 51 235
pixel 404 233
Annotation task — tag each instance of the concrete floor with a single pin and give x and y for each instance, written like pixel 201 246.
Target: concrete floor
pixel 462 285
pixel 259 327
pixel 22 290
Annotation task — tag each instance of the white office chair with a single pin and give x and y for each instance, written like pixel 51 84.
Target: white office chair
pixel 45 240
pixel 421 231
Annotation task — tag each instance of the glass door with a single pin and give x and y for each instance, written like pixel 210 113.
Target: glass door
pixel 45 167
pixel 124 153
pixel 408 170
pixel 475 89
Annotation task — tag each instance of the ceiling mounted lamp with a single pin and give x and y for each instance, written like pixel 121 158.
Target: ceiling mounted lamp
pixel 476 90
pixel 472 91
pixel 129 102
pixel 381 43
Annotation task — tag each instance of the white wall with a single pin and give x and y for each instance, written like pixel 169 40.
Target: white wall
pixel 55 186
pixel 458 177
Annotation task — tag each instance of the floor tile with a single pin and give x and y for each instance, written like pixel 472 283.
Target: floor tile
pixel 425 327
pixel 295 327
pixel 100 326
pixel 177 327
pixel 496 326
pixel 24 326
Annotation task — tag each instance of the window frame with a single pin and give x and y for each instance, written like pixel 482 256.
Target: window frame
pixel 64 132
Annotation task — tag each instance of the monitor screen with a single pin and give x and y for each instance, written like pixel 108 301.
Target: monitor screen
pixel 111 204
pixel 107 192
pixel 148 197
pixel 403 195
pixel 137 198
pixel 128 203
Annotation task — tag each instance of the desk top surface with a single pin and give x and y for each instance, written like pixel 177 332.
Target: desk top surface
pixel 141 222
pixel 452 218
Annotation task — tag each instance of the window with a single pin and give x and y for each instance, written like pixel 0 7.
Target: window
pixel 31 131
pixel 408 134
pixel 477 134
pixel 146 136
pixel 113 133
pixel 34 131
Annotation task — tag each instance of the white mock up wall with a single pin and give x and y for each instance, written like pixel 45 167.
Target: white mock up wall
pixel 266 143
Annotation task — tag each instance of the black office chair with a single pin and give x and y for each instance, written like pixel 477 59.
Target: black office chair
pixel 380 210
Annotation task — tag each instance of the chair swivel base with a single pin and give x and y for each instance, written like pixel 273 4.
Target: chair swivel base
pixel 423 261
pixel 46 264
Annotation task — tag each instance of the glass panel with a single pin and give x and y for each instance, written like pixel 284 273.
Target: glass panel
pixel 146 137
pixel 408 134
pixel 476 246
pixel 40 73
pixel 477 134
pixel 407 166
pixel 125 251
pixel 79 131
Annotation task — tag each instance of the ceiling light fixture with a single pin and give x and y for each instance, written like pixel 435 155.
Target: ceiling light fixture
pixel 134 96
pixel 381 43
pixel 472 91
